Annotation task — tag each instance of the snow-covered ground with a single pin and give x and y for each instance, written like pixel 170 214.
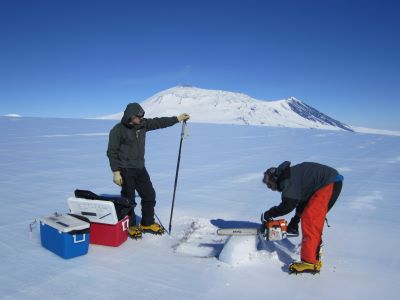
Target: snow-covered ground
pixel 44 160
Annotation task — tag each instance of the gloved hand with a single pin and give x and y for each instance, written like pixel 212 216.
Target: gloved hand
pixel 265 217
pixel 293 226
pixel 183 117
pixel 117 178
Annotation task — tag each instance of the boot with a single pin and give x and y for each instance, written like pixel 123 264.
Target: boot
pixel 134 232
pixel 305 267
pixel 154 228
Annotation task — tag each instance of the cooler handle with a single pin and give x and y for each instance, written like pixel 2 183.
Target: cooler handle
pixel 79 241
pixel 125 225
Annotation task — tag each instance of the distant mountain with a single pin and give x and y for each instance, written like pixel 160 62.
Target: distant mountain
pixel 12 116
pixel 221 107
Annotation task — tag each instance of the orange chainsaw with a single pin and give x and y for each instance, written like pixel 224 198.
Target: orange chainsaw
pixel 275 230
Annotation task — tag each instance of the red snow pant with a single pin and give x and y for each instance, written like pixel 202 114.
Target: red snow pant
pixel 312 223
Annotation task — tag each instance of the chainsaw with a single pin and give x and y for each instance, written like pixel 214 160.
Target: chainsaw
pixel 275 230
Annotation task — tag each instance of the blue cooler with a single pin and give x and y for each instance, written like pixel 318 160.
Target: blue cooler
pixel 65 235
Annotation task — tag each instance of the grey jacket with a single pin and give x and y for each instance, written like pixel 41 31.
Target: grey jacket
pixel 126 144
pixel 299 183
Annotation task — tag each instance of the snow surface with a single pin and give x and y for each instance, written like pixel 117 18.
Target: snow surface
pixel 44 160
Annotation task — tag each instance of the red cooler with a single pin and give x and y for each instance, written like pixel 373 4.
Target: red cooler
pixel 105 228
pixel 109 235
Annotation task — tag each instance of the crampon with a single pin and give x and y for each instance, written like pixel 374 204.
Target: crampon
pixel 134 232
pixel 305 267
pixel 154 228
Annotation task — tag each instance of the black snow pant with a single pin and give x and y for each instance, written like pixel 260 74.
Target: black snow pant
pixel 139 180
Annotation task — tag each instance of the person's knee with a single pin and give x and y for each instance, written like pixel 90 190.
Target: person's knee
pixel 152 195
pixel 149 197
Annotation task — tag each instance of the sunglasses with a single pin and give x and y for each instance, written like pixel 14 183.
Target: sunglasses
pixel 140 114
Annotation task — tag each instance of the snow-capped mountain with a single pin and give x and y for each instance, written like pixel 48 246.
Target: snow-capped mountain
pixel 12 116
pixel 222 107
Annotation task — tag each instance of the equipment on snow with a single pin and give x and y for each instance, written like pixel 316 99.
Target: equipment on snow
pixel 176 175
pixel 121 204
pixel 65 235
pixel 275 230
pixel 107 215
pixel 32 225
pixel 98 211
pixel 238 231
pixel 109 234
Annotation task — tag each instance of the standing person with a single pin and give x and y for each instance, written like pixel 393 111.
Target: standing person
pixel 126 149
pixel 312 189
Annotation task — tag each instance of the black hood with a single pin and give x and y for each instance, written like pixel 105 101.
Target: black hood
pixel 131 110
pixel 282 168
pixel 283 175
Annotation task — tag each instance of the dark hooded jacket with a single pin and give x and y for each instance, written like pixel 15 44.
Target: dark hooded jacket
pixel 126 144
pixel 298 183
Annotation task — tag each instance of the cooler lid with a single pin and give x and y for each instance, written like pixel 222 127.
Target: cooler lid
pixel 65 223
pixel 97 211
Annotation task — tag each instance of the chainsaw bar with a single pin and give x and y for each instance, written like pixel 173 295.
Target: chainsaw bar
pixel 238 231
pixel 244 232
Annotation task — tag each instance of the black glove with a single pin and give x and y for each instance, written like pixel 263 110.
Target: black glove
pixel 293 226
pixel 265 217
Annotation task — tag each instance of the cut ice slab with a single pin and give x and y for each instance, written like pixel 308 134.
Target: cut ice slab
pixel 196 250
pixel 199 239
pixel 238 249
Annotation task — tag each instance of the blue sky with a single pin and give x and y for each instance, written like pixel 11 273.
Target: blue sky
pixel 90 58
